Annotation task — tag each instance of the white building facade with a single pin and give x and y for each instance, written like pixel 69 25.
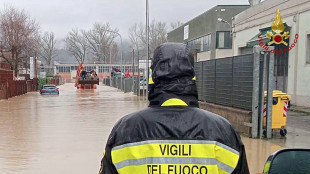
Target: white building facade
pixel 293 67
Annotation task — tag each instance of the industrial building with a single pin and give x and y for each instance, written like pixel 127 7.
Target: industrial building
pixel 209 34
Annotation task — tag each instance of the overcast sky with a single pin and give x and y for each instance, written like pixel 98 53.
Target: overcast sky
pixel 60 16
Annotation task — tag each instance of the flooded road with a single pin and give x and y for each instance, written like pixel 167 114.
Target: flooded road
pixel 60 134
pixel 67 133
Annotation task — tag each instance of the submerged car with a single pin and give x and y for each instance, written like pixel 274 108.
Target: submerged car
pixel 49 89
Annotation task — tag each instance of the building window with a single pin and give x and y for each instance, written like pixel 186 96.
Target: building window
pixel 223 40
pixel 308 49
pixel 200 44
pixel 89 68
pixel 207 43
pixel 74 67
pixel 60 69
pixel 186 31
pixel 101 69
pixel 68 69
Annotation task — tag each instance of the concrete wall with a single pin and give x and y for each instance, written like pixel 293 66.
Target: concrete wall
pixel 66 77
pixel 222 53
pixel 302 82
pixel 239 118
pixel 203 56
pixel 295 14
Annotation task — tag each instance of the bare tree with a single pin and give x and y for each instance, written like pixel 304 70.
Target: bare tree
pixel 100 40
pixel 76 44
pixel 19 36
pixel 158 35
pixel 175 25
pixel 133 37
pixel 48 48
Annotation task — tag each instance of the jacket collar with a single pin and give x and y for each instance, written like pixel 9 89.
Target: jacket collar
pixel 163 100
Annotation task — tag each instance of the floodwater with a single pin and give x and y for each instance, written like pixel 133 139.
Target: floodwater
pixel 60 134
pixel 67 133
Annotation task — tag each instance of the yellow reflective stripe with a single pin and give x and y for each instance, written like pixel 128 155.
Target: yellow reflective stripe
pixel 197 151
pixel 151 81
pixel 174 102
pixel 223 171
pixel 101 168
pixel 150 77
pixel 267 167
pixel 227 157
pixel 171 169
pixel 212 150
pixel 194 78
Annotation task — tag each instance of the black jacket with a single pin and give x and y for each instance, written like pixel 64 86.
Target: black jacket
pixel 173 136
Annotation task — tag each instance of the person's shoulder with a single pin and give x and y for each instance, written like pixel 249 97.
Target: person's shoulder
pixel 126 127
pixel 204 114
pixel 132 117
pixel 135 115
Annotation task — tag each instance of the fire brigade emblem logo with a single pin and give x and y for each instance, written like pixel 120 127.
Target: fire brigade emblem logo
pixel 277 28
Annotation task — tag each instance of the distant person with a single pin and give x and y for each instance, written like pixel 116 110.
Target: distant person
pixel 83 73
pixel 92 74
pixel 127 73
pixel 173 136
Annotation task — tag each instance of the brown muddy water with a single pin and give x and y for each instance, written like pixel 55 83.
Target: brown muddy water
pixel 67 133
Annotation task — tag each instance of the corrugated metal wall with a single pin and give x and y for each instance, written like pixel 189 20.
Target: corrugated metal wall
pixel 242 82
pixel 199 77
pixel 209 81
pixel 227 81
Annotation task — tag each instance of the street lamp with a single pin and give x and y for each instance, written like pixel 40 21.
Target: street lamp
pixel 222 20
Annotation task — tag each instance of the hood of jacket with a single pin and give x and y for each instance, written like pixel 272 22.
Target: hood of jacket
pixel 172 75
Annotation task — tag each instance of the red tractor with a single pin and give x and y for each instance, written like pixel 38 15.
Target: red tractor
pixel 86 79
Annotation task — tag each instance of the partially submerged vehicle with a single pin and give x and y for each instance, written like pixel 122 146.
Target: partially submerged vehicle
pixel 86 79
pixel 49 89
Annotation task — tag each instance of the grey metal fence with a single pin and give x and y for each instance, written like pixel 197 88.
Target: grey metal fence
pixel 128 85
pixel 199 77
pixel 227 81
pixel 243 81
pixel 131 84
pixel 107 81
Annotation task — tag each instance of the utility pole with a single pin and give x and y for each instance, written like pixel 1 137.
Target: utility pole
pixel 110 55
pixel 133 69
pixel 269 99
pixel 147 48
pixel 133 62
pixel 138 86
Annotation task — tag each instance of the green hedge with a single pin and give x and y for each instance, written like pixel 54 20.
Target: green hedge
pixel 43 81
